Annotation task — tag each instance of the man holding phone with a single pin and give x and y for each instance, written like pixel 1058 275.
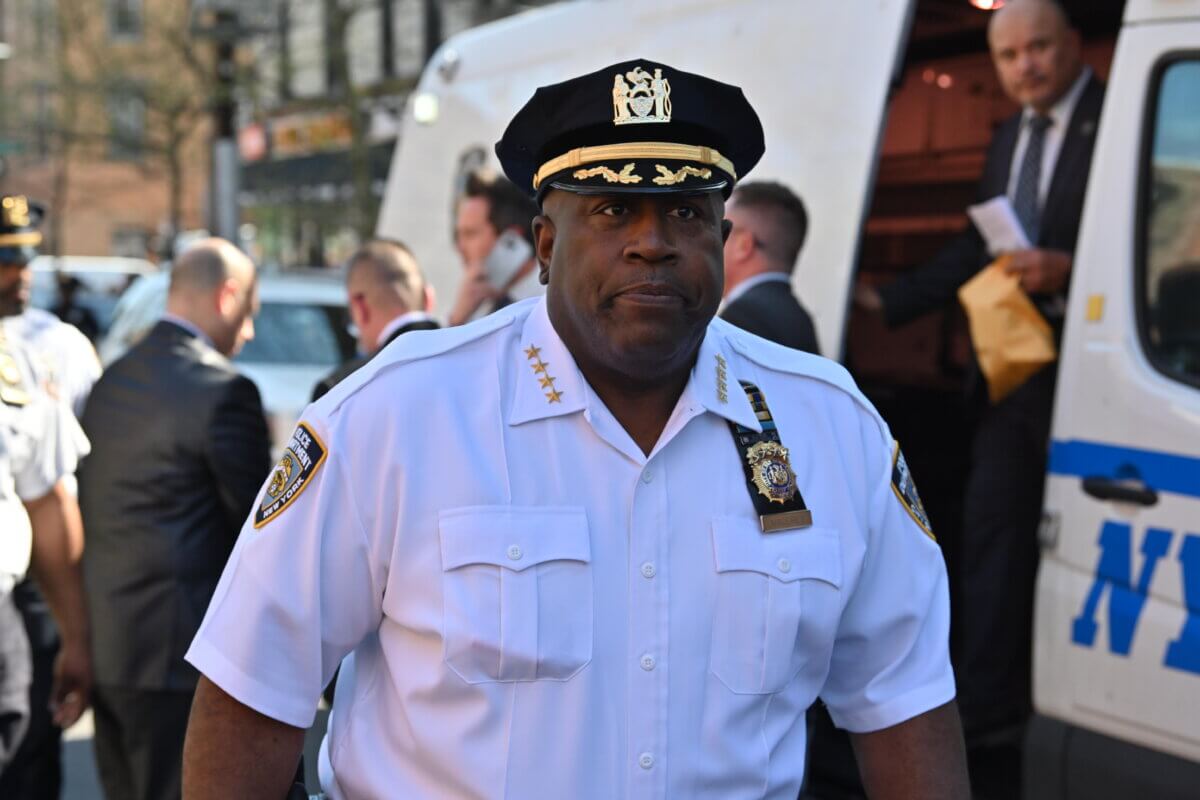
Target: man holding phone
pixel 493 237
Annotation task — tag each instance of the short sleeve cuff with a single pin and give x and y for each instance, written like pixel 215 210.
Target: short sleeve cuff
pixel 262 697
pixel 899 709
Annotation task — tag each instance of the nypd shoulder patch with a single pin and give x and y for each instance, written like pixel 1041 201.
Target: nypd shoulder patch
pixel 906 491
pixel 303 457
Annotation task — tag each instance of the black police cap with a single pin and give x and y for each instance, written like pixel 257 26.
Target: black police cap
pixel 638 126
pixel 19 236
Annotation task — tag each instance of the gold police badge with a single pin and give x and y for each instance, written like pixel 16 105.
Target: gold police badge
pixel 771 472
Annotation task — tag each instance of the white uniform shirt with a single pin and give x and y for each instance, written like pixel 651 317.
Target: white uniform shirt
pixel 40 443
pixel 73 364
pixel 538 609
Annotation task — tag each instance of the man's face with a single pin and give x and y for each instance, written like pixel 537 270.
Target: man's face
pixel 237 306
pixel 16 286
pixel 474 235
pixel 1037 56
pixel 633 279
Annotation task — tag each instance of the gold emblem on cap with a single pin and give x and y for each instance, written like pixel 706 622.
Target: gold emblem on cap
pixel 15 211
pixel 626 174
pixel 668 178
pixel 772 473
pixel 645 98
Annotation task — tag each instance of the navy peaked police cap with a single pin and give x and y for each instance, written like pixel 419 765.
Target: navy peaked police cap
pixel 637 126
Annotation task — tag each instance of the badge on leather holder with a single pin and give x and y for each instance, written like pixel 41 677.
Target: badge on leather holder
pixel 769 475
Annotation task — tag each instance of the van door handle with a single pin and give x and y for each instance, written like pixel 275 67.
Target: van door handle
pixel 1123 490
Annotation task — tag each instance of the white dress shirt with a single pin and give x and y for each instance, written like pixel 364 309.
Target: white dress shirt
pixel 751 282
pixel 536 608
pixel 1060 120
pixel 407 318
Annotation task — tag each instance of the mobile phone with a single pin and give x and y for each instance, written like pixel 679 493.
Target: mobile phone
pixel 508 255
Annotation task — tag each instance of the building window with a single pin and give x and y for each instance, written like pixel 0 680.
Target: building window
pixel 1170 266
pixel 126 124
pixel 125 18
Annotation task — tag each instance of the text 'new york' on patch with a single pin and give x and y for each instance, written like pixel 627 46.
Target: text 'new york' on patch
pixel 300 461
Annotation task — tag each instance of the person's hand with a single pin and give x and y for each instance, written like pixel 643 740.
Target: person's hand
pixel 1040 271
pixel 867 297
pixel 472 293
pixel 71 693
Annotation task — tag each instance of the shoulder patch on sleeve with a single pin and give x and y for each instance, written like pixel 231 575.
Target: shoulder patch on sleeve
pixel 906 491
pixel 303 457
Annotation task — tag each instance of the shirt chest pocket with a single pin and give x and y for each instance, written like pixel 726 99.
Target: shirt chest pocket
pixel 516 592
pixel 777 602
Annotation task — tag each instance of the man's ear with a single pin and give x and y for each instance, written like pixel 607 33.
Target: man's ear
pixel 543 245
pixel 726 229
pixel 430 298
pixel 227 298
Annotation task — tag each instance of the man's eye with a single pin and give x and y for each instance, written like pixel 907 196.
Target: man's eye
pixel 686 212
pixel 614 210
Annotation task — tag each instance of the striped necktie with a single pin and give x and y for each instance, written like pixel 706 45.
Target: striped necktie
pixel 1029 179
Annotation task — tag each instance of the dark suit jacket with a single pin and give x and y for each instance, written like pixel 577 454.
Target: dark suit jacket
pixel 771 311
pixel 338 375
pixel 936 283
pixel 179 450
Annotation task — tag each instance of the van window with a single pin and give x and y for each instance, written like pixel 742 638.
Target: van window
pixel 1170 273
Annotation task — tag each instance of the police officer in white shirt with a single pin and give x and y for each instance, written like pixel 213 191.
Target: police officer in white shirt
pixel 40 445
pixel 597 545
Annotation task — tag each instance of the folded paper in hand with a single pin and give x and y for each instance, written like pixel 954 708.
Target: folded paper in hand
pixel 1011 338
pixel 998 224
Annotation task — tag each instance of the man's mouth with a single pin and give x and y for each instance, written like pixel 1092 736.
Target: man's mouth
pixel 651 293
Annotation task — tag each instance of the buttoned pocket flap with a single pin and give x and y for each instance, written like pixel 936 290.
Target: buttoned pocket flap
pixel 513 538
pixel 805 553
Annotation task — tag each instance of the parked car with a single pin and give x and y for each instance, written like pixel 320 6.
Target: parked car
pixel 300 334
pixel 100 281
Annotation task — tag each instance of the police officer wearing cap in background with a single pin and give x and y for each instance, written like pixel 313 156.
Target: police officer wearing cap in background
pixel 594 545
pixel 40 445
pixel 69 361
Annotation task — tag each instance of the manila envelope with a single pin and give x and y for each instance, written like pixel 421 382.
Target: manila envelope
pixel 1011 338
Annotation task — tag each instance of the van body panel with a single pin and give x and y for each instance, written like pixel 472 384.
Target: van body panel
pixel 791 59
pixel 1117 648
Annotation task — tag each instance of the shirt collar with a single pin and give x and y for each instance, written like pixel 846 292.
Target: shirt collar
pixel 1065 107
pixel 188 326
pixel 716 385
pixel 752 281
pixel 546 383
pixel 399 322
pixel 549 384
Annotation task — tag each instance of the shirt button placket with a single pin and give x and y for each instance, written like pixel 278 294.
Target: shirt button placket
pixel 648 627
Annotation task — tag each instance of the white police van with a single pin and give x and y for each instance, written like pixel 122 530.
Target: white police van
pixel 1117 642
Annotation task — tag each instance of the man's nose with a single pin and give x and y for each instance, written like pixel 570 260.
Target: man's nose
pixel 651 239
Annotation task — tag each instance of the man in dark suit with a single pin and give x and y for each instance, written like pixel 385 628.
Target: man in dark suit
pixel 180 448
pixel 388 296
pixel 769 225
pixel 1040 160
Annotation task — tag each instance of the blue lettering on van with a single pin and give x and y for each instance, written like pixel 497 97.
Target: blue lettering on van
pixel 1184 652
pixel 1125 601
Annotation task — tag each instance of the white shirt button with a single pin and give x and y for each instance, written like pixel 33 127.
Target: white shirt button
pixel 514 552
pixel 647 476
pixel 648 570
pixel 648 662
pixel 785 566
pixel 646 761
